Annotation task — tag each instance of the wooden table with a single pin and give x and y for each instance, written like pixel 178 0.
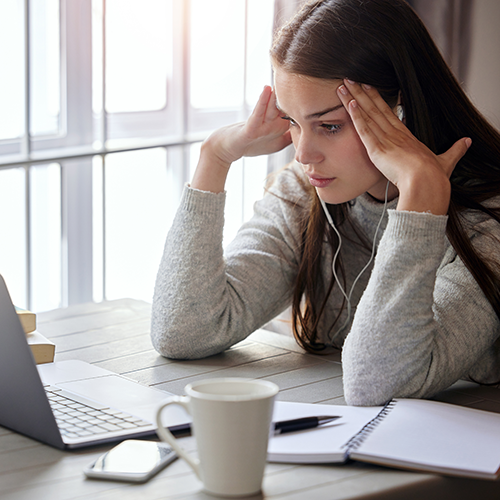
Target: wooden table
pixel 115 335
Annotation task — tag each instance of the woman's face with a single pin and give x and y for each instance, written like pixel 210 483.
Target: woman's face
pixel 326 142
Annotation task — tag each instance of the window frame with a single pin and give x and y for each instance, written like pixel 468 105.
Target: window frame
pixel 74 147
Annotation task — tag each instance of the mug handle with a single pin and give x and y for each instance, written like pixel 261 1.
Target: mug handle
pixel 166 435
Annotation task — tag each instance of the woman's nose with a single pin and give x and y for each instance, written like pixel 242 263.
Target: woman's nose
pixel 307 151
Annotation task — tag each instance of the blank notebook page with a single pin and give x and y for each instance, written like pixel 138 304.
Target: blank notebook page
pixel 439 437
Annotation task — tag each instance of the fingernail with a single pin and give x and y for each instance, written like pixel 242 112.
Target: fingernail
pixel 350 81
pixel 353 103
pixel 342 90
pixel 468 142
pixel 366 86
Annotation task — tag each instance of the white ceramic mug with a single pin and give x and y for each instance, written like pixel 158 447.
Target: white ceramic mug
pixel 231 424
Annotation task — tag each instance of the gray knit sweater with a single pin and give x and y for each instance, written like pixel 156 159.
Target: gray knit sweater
pixel 420 321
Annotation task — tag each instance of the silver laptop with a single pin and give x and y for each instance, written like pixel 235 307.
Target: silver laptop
pixel 70 404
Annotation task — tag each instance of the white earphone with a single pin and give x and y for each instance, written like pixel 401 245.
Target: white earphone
pixel 332 224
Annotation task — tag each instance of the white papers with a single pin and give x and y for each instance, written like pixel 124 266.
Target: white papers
pixel 435 437
pixel 409 433
pixel 322 444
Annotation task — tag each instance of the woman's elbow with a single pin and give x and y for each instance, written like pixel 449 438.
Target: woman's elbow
pixel 371 396
pixel 363 387
pixel 183 342
pixel 377 390
pixel 168 346
pixel 168 341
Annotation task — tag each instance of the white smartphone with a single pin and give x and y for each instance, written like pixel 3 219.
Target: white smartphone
pixel 132 460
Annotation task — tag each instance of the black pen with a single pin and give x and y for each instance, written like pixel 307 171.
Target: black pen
pixel 300 424
pixel 297 424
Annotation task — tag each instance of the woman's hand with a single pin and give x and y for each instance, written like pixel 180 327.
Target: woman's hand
pixel 421 177
pixel 263 133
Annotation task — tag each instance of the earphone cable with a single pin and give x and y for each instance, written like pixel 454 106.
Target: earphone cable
pixel 332 224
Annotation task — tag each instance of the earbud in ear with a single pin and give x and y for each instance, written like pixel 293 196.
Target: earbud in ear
pixel 400 112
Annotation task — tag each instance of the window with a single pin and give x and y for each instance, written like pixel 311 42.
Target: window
pixel 103 111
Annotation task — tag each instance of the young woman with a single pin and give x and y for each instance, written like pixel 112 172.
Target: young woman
pixel 392 159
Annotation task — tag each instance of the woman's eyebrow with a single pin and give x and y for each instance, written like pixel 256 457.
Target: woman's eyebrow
pixel 324 112
pixel 317 114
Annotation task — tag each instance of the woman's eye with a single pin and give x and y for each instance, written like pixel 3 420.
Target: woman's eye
pixel 331 128
pixel 287 118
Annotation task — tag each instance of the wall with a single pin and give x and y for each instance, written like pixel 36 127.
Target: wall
pixel 483 75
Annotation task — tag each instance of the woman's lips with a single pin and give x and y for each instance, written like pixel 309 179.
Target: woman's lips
pixel 320 182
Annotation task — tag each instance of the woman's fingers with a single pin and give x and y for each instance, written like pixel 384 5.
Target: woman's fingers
pixel 398 154
pixel 372 103
pixel 272 112
pixel 264 132
pixel 261 108
pixel 367 125
pixel 367 129
pixel 266 113
pixel 450 158
pixel 265 110
pixel 377 124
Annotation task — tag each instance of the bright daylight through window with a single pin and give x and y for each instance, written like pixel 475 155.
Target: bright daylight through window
pixel 104 108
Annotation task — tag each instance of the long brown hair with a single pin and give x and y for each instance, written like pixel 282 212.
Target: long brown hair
pixel 383 43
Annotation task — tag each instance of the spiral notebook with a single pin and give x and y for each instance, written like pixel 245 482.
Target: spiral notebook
pixel 414 434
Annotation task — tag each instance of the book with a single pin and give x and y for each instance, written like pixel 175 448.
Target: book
pixel 27 319
pixel 415 434
pixel 43 349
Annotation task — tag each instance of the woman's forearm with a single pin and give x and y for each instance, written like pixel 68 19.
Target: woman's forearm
pixel 416 329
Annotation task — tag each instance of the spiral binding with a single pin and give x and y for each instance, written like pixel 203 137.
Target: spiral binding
pixel 360 436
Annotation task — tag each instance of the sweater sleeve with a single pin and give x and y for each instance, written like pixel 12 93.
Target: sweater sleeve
pixel 205 300
pixel 420 325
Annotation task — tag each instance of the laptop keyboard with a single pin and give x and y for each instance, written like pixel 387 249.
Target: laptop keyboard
pixel 78 417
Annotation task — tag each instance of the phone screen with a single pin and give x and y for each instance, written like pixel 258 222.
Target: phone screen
pixel 132 460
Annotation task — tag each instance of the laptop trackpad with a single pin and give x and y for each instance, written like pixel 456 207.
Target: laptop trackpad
pixel 128 396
